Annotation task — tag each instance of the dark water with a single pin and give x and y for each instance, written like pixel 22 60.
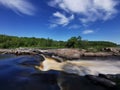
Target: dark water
pixel 19 73
pixel 6 56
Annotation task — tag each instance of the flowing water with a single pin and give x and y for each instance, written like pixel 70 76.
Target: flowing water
pixel 19 73
pixel 83 67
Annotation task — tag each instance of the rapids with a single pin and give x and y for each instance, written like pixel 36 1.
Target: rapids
pixel 82 67
pixel 19 73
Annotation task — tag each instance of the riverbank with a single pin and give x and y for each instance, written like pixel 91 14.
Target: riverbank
pixel 65 53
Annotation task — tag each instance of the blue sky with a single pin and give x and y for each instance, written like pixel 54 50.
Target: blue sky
pixel 61 19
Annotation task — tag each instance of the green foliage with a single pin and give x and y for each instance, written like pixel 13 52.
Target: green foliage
pixel 73 42
pixel 16 42
pixel 77 42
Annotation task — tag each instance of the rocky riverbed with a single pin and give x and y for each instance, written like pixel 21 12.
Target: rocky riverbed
pixel 19 73
pixel 65 54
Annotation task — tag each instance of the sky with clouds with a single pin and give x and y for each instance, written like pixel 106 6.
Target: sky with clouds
pixel 61 19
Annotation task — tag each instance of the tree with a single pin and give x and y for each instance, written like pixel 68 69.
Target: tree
pixel 74 42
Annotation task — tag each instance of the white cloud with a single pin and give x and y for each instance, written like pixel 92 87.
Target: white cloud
pixel 19 6
pixel 88 31
pixel 61 19
pixel 88 10
pixel 75 26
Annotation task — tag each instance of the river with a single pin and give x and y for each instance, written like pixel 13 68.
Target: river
pixel 20 73
pixel 83 67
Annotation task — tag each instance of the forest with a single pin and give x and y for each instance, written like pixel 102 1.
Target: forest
pixel 7 41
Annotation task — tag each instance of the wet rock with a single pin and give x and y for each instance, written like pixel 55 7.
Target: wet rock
pixel 111 77
pixel 74 82
pixel 101 81
pixel 57 58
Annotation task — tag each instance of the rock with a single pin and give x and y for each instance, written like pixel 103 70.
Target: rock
pixel 101 81
pixel 57 58
pixel 74 82
pixel 66 53
pixel 111 77
pixel 74 54
pixel 21 51
pixel 63 54
pixel 111 49
pixel 97 54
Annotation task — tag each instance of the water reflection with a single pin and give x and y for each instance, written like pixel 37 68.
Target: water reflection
pixel 6 56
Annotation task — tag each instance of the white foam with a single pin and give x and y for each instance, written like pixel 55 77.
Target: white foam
pixel 82 67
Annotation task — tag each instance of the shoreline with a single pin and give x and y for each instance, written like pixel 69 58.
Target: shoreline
pixel 63 54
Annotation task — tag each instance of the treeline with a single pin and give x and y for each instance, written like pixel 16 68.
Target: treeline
pixel 77 42
pixel 74 42
pixel 16 42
